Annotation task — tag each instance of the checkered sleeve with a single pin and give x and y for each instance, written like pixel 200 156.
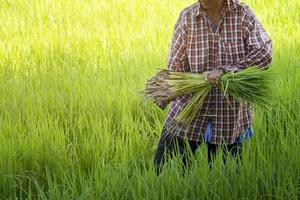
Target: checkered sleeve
pixel 258 44
pixel 177 58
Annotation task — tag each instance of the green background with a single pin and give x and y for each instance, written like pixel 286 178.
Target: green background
pixel 74 125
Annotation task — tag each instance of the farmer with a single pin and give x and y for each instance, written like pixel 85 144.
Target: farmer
pixel 213 37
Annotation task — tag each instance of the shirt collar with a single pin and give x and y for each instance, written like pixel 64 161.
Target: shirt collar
pixel 230 5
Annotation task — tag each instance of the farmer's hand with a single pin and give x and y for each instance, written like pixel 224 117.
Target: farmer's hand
pixel 213 76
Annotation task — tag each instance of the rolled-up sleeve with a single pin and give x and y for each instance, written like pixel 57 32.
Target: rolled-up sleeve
pixel 258 44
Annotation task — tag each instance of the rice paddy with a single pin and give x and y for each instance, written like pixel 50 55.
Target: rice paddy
pixel 73 123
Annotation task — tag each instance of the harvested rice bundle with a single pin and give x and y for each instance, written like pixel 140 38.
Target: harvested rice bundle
pixel 168 84
pixel 251 85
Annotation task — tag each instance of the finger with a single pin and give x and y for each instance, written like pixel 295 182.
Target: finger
pixel 206 75
pixel 213 77
pixel 210 75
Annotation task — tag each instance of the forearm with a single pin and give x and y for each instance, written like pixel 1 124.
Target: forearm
pixel 260 57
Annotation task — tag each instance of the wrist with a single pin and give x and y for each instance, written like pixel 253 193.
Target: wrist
pixel 224 70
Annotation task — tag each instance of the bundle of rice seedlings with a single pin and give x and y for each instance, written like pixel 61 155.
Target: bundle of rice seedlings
pixel 251 85
pixel 168 84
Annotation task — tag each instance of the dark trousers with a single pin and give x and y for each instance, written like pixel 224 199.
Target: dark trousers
pixel 169 146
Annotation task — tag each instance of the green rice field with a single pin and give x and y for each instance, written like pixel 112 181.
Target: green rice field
pixel 73 123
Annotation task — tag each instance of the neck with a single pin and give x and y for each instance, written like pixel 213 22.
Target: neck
pixel 213 6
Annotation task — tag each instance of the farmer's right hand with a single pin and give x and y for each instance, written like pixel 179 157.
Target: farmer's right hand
pixel 213 76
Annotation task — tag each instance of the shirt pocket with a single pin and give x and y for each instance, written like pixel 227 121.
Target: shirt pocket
pixel 233 50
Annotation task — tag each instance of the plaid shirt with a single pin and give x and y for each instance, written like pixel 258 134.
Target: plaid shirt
pixel 238 41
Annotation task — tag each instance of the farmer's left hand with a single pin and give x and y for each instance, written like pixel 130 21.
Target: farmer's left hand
pixel 213 76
